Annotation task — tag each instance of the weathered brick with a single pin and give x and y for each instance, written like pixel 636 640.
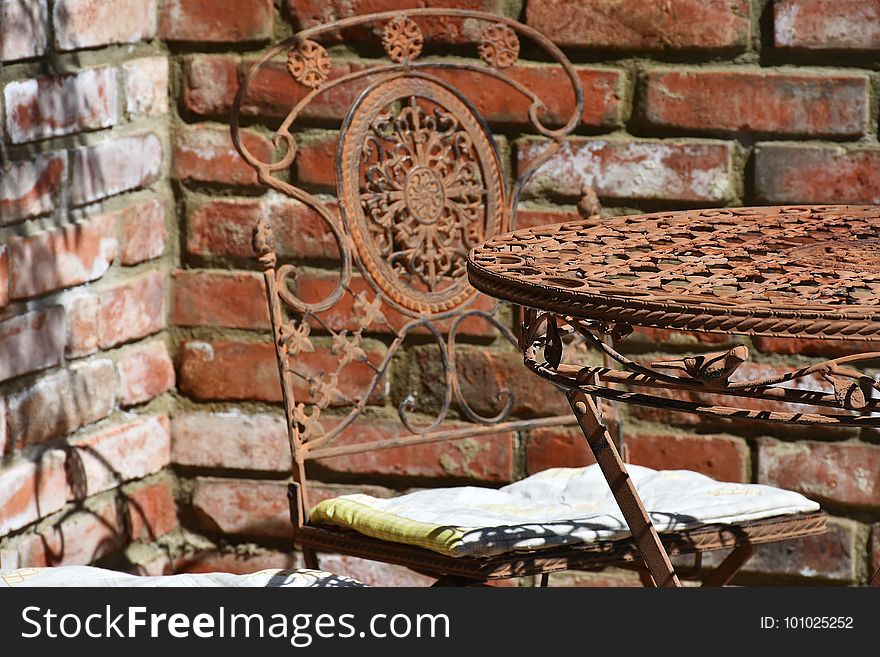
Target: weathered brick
pixel 30 490
pixel 60 104
pixel 827 24
pixel 814 347
pixel 209 84
pixel 310 13
pixel 225 228
pixel 24 29
pixel 103 527
pixel 529 217
pixel 833 556
pixel 634 169
pixel 637 25
pixel 848 473
pixel 315 163
pixel 81 309
pixel 484 458
pixel 240 563
pixel 231 440
pixel 146 86
pixel 60 404
pixel 131 310
pixel 226 369
pixel 724 458
pixel 215 22
pixel 208 298
pixel 66 256
pixel 30 187
pixel 107 168
pixel 31 342
pixel 89 23
pixel 4 276
pixel 145 371
pixel 143 230
pixel 206 154
pixel 800 173
pixel 757 101
pixel 238 506
pixel 120 453
pixel 5 444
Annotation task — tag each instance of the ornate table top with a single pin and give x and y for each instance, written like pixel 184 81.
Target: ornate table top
pixel 808 271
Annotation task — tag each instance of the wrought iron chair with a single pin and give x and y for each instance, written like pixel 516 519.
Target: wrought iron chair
pixel 419 183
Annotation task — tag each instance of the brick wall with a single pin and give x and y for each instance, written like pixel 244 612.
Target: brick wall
pixel 120 204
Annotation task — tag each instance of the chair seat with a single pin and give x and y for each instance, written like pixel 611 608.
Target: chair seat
pixel 556 507
pixel 91 576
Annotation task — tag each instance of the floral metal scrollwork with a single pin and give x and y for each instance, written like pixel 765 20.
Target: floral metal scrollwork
pixel 402 39
pixel 499 46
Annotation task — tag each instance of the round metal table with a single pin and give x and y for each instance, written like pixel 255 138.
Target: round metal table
pixel 796 272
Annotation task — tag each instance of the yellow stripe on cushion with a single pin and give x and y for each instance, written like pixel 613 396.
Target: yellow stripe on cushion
pixel 388 527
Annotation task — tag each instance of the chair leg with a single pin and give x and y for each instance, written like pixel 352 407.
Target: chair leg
pixel 730 566
pixel 643 530
pixel 310 557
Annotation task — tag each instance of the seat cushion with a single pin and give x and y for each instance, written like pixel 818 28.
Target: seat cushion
pixel 555 507
pixel 99 577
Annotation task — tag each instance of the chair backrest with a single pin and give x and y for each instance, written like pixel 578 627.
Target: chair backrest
pixel 419 183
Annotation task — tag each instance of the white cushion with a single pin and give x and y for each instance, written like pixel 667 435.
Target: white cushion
pixel 99 577
pixel 555 507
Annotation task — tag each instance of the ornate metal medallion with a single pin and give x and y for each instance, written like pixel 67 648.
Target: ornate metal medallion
pixel 420 185
pixel 309 64
pixel 499 46
pixel 402 39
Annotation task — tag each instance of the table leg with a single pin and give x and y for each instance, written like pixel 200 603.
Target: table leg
pixel 646 537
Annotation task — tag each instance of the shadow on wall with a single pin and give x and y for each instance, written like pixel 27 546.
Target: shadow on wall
pixel 63 99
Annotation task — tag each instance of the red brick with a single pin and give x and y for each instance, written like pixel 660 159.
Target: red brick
pixel 60 104
pixel 231 440
pixel 102 527
pixel 209 84
pixel 483 374
pixel 229 370
pixel 30 187
pixel 143 229
pixel 724 458
pixel 238 506
pixel 146 86
pixel 484 458
pixel 225 228
pixel 834 556
pixel 152 510
pixel 31 342
pixel 373 573
pixel 310 13
pixel 123 452
pixel 848 473
pixel 216 22
pixel 5 445
pixel 63 257
pixel 637 25
pixel 108 168
pixel 4 276
pixel 232 300
pixel 796 173
pixel 810 347
pixel 313 287
pixel 132 310
pixel 206 154
pixel 213 561
pixel 827 24
pixel 25 29
pixel 30 490
pixel 145 371
pixel 315 162
pixel 82 324
pixel 653 339
pixel 609 578
pixel 530 217
pixel 60 404
pixel 89 23
pixel 634 169
pixel 757 101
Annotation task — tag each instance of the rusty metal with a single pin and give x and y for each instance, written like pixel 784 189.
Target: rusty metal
pixel 792 271
pixel 419 184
